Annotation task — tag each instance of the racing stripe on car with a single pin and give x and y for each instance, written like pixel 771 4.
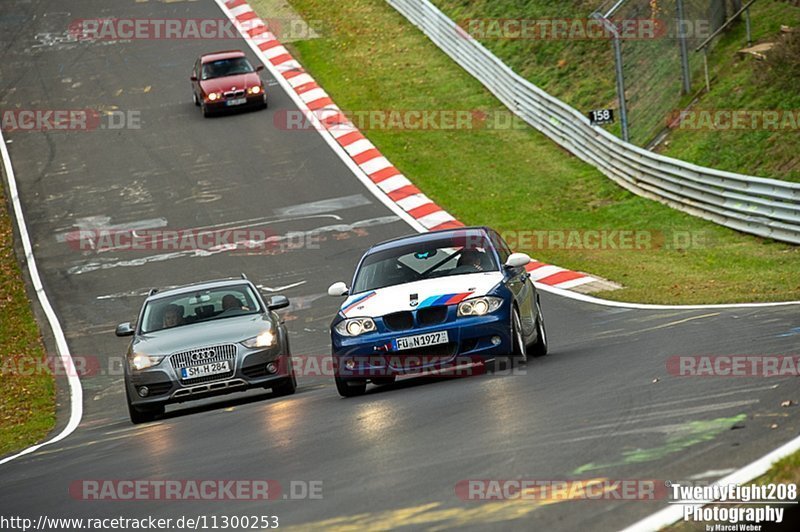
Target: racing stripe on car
pixel 446 299
pixel 458 298
pixel 360 299
pixel 368 157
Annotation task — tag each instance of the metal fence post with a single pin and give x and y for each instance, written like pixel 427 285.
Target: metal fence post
pixel 687 80
pixel 747 23
pixel 623 106
pixel 620 73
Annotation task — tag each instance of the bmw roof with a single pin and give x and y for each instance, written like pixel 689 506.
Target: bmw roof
pixel 458 232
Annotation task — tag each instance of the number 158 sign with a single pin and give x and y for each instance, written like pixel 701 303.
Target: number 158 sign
pixel 601 117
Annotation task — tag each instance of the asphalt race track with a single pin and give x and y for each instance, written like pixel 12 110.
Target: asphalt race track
pixel 392 458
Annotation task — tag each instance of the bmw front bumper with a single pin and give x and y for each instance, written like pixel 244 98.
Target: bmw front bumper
pixel 470 339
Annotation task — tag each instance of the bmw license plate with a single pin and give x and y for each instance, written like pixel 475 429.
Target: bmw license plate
pixel 237 101
pixel 421 340
pixel 213 368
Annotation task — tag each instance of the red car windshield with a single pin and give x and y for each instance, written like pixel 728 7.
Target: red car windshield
pixel 226 67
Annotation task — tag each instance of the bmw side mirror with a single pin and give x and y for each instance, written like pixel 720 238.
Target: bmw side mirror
pixel 518 260
pixel 259 68
pixel 277 302
pixel 193 78
pixel 124 329
pixel 338 289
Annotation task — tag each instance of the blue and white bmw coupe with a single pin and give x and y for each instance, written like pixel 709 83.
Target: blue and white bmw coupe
pixel 429 300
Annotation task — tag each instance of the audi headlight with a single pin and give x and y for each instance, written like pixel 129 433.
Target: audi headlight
pixel 265 339
pixel 140 361
pixel 213 96
pixel 254 90
pixel 355 326
pixel 479 306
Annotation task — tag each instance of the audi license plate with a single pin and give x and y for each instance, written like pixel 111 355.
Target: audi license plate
pixel 421 340
pixel 237 101
pixel 212 368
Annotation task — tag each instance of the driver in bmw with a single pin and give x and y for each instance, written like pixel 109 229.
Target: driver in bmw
pixel 472 258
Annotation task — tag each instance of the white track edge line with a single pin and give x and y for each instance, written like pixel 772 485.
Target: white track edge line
pixel 75 389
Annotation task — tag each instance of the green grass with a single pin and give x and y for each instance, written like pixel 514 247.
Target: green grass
pixel 27 394
pixel 582 74
pixel 519 180
pixel 786 470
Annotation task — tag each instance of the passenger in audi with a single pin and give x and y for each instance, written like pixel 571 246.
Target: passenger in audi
pixel 173 316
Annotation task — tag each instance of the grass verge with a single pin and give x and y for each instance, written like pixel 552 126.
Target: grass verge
pixel 516 179
pixel 27 392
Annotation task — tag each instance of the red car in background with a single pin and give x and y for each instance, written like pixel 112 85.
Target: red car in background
pixel 227 80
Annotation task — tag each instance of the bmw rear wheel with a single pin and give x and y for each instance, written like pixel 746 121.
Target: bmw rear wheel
pixel 539 348
pixel 520 349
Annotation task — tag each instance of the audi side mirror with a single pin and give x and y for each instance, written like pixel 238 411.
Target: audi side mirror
pixel 277 302
pixel 124 329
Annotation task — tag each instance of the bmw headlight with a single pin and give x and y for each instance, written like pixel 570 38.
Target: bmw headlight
pixel 265 339
pixel 478 306
pixel 254 90
pixel 140 361
pixel 355 326
pixel 213 96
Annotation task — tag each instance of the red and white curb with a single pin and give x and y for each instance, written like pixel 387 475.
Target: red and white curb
pixel 380 171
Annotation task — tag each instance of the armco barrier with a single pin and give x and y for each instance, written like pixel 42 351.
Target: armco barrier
pixel 764 207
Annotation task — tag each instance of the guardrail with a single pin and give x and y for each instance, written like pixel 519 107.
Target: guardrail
pixel 764 207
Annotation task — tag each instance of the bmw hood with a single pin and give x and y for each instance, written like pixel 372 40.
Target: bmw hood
pixel 420 294
pixel 203 334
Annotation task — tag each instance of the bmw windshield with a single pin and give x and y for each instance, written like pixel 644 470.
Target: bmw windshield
pixel 199 306
pixel 226 67
pixel 426 260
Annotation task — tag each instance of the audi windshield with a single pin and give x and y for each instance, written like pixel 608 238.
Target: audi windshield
pixel 199 306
